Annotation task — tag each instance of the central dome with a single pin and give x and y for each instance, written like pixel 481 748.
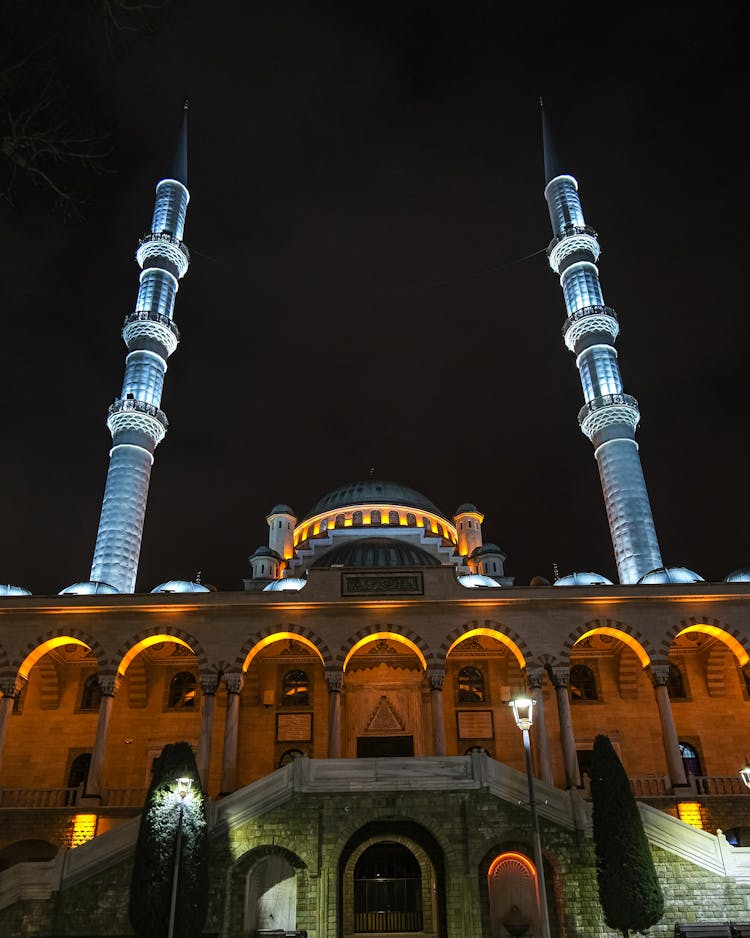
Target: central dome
pixel 373 492
pixel 376 552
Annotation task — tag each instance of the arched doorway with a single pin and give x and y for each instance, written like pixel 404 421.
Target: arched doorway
pixel 514 900
pixel 271 896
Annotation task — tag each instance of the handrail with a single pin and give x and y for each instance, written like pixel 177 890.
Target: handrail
pixel 606 400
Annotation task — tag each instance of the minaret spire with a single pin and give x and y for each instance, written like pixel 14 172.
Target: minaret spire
pixel 609 417
pixel 135 420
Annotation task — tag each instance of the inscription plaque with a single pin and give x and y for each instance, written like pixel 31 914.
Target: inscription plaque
pixel 293 727
pixel 383 584
pixel 474 724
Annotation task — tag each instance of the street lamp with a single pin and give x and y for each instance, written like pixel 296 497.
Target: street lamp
pixel 182 791
pixel 745 773
pixel 523 714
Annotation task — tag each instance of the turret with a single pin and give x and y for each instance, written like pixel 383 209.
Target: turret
pixel 281 521
pixel 468 520
pixel 135 420
pixel 609 416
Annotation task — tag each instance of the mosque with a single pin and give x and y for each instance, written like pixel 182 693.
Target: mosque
pixel 349 707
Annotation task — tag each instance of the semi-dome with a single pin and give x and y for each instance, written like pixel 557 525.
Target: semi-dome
pixel 671 575
pixel 89 588
pixel 376 552
pixel 583 579
pixel 7 589
pixel 290 583
pixel 373 492
pixel 474 580
pixel 180 586
pixel 738 576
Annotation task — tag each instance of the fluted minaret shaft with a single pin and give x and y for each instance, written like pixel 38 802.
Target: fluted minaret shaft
pixel 609 417
pixel 135 420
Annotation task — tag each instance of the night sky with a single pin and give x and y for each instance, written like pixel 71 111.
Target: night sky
pixel 362 177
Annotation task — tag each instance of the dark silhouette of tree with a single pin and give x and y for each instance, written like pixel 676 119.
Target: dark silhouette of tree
pixel 629 890
pixel 153 867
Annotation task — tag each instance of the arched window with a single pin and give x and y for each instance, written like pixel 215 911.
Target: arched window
pixel 582 683
pixel 470 686
pixel 690 759
pixel 393 518
pixel 387 890
pixel 676 683
pixel 91 695
pixel 79 770
pixel 340 521
pixel 291 755
pixel 356 519
pixel 295 689
pixel 411 519
pixel 375 516
pixel 480 750
pixel 427 525
pixel 182 691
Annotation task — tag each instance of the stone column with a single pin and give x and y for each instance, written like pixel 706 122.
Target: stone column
pixel 436 676
pixel 544 769
pixel 335 680
pixel 108 687
pixel 234 684
pixel 209 683
pixel 560 679
pixel 10 689
pixel 675 765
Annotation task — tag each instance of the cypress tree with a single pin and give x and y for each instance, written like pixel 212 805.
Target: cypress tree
pixel 153 868
pixel 629 890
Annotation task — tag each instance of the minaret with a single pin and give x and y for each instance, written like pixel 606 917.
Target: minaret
pixel 609 417
pixel 135 420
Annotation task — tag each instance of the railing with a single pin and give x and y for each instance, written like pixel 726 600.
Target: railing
pixel 570 230
pixel 165 236
pixel 588 311
pixel 38 797
pixel 649 786
pixel 141 315
pixel 387 921
pixel 719 785
pixel 606 400
pixel 124 797
pixel 141 407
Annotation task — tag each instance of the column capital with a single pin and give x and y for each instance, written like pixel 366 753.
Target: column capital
pixel 560 676
pixel 660 675
pixel 234 682
pixel 12 687
pixel 334 679
pixel 209 683
pixel 435 678
pixel 535 677
pixel 109 684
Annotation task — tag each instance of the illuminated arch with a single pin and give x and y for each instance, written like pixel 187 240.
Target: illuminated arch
pixel 490 633
pixel 39 648
pixel 390 636
pixel 512 858
pixel 634 640
pixel 716 631
pixel 131 649
pixel 262 643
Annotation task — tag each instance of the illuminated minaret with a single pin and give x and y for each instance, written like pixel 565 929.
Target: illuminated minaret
pixel 608 417
pixel 135 420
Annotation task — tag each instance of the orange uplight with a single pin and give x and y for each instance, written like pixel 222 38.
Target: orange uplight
pixel 689 812
pixel 82 830
pixel 624 637
pixel 278 637
pixel 41 650
pixel 729 640
pixel 512 855
pixel 492 633
pixel 391 636
pixel 147 643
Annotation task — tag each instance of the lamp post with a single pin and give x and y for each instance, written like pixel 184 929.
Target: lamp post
pixel 183 790
pixel 523 714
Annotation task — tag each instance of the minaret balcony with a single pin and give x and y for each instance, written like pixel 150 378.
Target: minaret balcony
pixel 574 239
pixel 130 414
pixel 606 410
pixel 145 324
pixel 163 246
pixel 590 319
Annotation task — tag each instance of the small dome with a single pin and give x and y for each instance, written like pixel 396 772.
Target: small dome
pixel 180 586
pixel 670 575
pixel 265 551
pixel 539 581
pixel 282 510
pixel 290 583
pixel 488 549
pixel 583 579
pixel 373 492
pixel 738 576
pixel 90 588
pixel 376 552
pixel 7 589
pixel 467 506
pixel 473 580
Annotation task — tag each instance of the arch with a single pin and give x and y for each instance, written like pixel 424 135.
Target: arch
pixel 148 637
pixel 54 639
pixel 410 641
pixel 492 630
pixel 27 851
pixel 518 854
pixel 270 635
pixel 266 862
pixel 730 637
pixel 627 635
pixel 513 890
